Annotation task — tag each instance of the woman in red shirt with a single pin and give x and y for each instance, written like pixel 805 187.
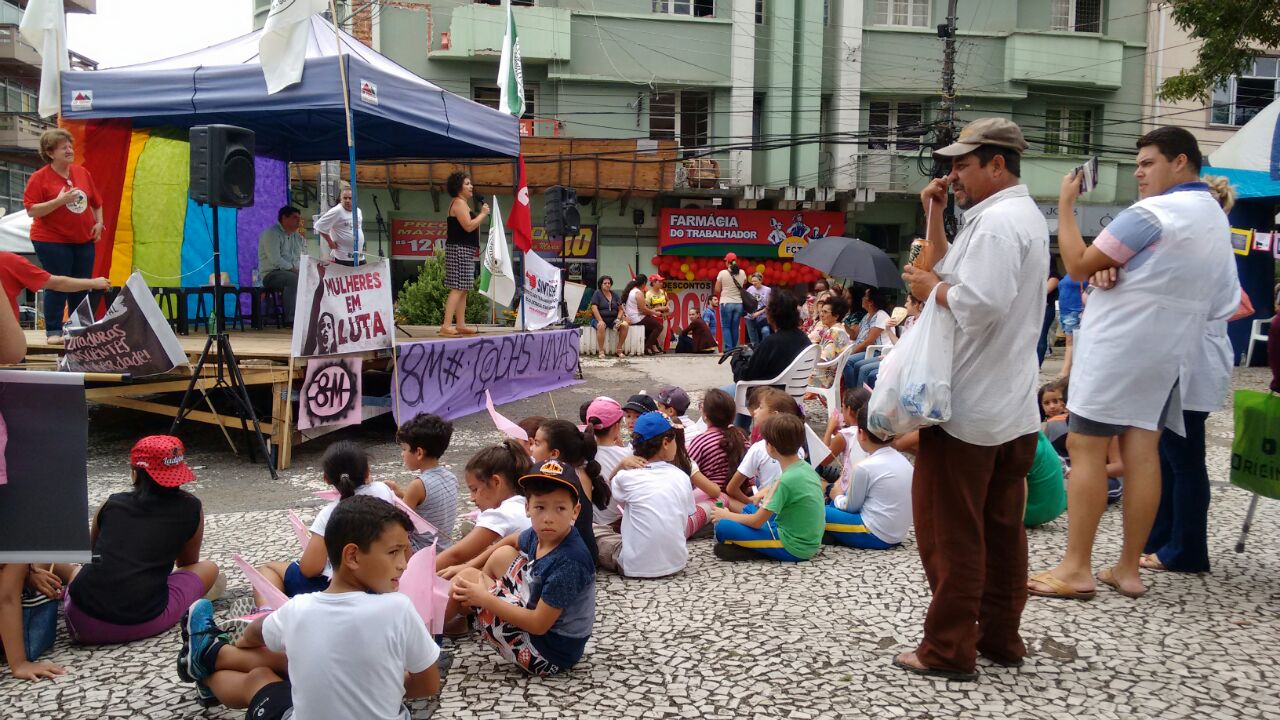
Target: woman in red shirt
pixel 63 233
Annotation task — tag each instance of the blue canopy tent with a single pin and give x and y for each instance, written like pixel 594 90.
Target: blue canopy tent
pixel 1251 161
pixel 396 113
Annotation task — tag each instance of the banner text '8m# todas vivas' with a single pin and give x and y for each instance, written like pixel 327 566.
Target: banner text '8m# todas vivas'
pixel 749 233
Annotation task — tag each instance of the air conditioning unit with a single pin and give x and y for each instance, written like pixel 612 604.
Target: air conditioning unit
pixel 695 203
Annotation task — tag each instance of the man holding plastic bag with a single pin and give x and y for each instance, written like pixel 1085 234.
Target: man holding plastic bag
pixel 968 494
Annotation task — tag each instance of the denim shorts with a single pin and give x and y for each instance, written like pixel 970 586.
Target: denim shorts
pixel 1070 322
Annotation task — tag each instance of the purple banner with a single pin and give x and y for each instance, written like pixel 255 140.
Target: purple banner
pixel 449 377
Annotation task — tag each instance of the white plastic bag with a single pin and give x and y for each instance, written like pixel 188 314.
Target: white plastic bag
pixel 913 388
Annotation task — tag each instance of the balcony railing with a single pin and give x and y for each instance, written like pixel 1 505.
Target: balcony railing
pixel 21 130
pixel 539 127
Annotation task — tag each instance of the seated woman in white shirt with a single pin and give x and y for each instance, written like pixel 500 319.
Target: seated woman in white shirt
pixel 871 328
pixel 867 368
pixel 491 476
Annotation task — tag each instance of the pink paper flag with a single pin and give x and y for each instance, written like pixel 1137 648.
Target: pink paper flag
pixel 502 423
pixel 428 591
pixel 299 529
pixel 271 595
pixel 420 525
pixel 4 443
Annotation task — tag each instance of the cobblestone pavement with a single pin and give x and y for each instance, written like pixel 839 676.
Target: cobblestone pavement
pixel 761 639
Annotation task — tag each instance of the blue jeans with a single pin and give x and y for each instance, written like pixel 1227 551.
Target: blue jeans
pixel 1042 347
pixel 1179 537
pixel 848 529
pixel 863 369
pixel 69 259
pixel 730 314
pixel 757 329
pixel 764 540
pixel 851 370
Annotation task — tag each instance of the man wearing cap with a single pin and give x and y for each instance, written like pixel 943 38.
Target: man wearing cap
pixel 729 288
pixel 968 490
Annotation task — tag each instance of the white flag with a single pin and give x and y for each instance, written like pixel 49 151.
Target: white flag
pixel 510 74
pixel 497 278
pixel 44 25
pixel 542 288
pixel 282 49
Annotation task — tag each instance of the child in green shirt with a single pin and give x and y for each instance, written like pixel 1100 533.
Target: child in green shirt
pixel 790 525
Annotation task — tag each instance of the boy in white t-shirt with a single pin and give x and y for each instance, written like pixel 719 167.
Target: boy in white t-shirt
pixel 757 465
pixel 654 501
pixel 355 650
pixel 874 511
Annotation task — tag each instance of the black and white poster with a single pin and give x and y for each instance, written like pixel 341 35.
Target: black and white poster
pixel 44 506
pixel 331 393
pixel 342 309
pixel 133 337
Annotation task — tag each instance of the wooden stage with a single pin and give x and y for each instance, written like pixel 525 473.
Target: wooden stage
pixel 264 360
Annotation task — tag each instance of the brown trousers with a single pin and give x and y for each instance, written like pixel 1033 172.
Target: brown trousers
pixel 968 502
pixel 653 330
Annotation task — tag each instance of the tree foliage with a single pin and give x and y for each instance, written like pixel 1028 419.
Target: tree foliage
pixel 1232 34
pixel 422 300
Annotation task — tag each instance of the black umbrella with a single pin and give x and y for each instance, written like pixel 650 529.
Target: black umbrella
pixel 852 259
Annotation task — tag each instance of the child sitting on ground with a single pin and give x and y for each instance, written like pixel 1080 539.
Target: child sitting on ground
pixel 1053 400
pixel 355 650
pixel 491 476
pixel 131 589
pixel 561 440
pixel 634 407
pixel 346 468
pixel 535 600
pixel 874 511
pixel 758 465
pixel 790 526
pixel 434 493
pixel 843 441
pixel 654 502
pixel 604 417
pixel 530 425
pixel 673 402
pixel 721 447
pixel 21 584
pixel 1046 487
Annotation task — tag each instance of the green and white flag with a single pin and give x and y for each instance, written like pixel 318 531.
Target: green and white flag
pixel 510 76
pixel 497 278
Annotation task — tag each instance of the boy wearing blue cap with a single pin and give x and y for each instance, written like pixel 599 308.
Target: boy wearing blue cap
pixel 535 600
pixel 654 501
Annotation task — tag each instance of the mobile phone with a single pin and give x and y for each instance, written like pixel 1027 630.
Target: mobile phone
pixel 1088 174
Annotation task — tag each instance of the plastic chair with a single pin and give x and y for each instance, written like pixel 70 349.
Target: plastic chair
pixel 794 379
pixel 831 395
pixel 1257 334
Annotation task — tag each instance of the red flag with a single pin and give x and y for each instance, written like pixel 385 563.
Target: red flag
pixel 521 220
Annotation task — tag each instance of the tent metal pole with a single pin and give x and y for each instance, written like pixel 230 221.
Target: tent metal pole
pixel 356 230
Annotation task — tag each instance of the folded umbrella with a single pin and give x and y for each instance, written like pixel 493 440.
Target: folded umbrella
pixel 852 259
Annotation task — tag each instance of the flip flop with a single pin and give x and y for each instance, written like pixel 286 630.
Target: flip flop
pixel 1108 578
pixel 1060 590
pixel 956 675
pixel 1151 562
pixel 449 332
pixel 468 331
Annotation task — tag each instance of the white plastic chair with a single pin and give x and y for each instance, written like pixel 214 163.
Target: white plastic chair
pixel 875 351
pixel 795 379
pixel 831 395
pixel 1257 333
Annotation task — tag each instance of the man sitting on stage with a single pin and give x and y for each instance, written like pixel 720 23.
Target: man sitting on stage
pixel 279 250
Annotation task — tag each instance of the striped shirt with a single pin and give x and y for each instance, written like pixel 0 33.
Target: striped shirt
pixel 705 450
pixel 439 507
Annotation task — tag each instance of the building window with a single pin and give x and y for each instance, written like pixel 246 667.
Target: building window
pixel 517 3
pixel 696 8
pixel 1068 131
pixel 1236 101
pixel 491 96
pixel 759 12
pixel 16 98
pixel 895 125
pixel 757 117
pixel 1076 15
pixel 683 116
pixel 13 183
pixel 905 13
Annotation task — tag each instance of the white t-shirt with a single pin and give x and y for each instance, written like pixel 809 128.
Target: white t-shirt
pixel 881 492
pixel 758 465
pixel 348 653
pixel 609 456
pixel 853 454
pixel 509 517
pixel 336 223
pixel 879 320
pixel 376 489
pixel 655 501
pixel 631 308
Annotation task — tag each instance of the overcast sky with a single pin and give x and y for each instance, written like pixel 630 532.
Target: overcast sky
pixel 124 32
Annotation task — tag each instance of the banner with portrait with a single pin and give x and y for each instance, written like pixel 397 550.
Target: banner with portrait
pixel 342 309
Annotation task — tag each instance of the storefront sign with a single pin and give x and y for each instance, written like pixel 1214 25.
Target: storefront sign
pixel 416 238
pixel 749 233
pixel 683 296
pixel 577 254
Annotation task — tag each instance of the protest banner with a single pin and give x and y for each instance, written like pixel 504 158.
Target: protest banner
pixel 541 293
pixel 342 309
pixel 44 508
pixel 749 233
pixel 450 377
pixel 132 338
pixel 331 393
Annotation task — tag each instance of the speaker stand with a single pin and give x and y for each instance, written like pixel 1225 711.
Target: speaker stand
pixel 227 368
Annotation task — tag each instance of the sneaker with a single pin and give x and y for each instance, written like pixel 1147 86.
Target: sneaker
pixel 199 633
pixel 733 553
pixel 1115 489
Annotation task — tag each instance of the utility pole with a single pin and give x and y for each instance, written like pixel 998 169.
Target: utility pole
pixel 947 109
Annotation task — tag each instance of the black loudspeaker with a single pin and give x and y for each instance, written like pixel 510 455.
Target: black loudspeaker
pixel 553 211
pixel 637 216
pixel 572 218
pixel 222 166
